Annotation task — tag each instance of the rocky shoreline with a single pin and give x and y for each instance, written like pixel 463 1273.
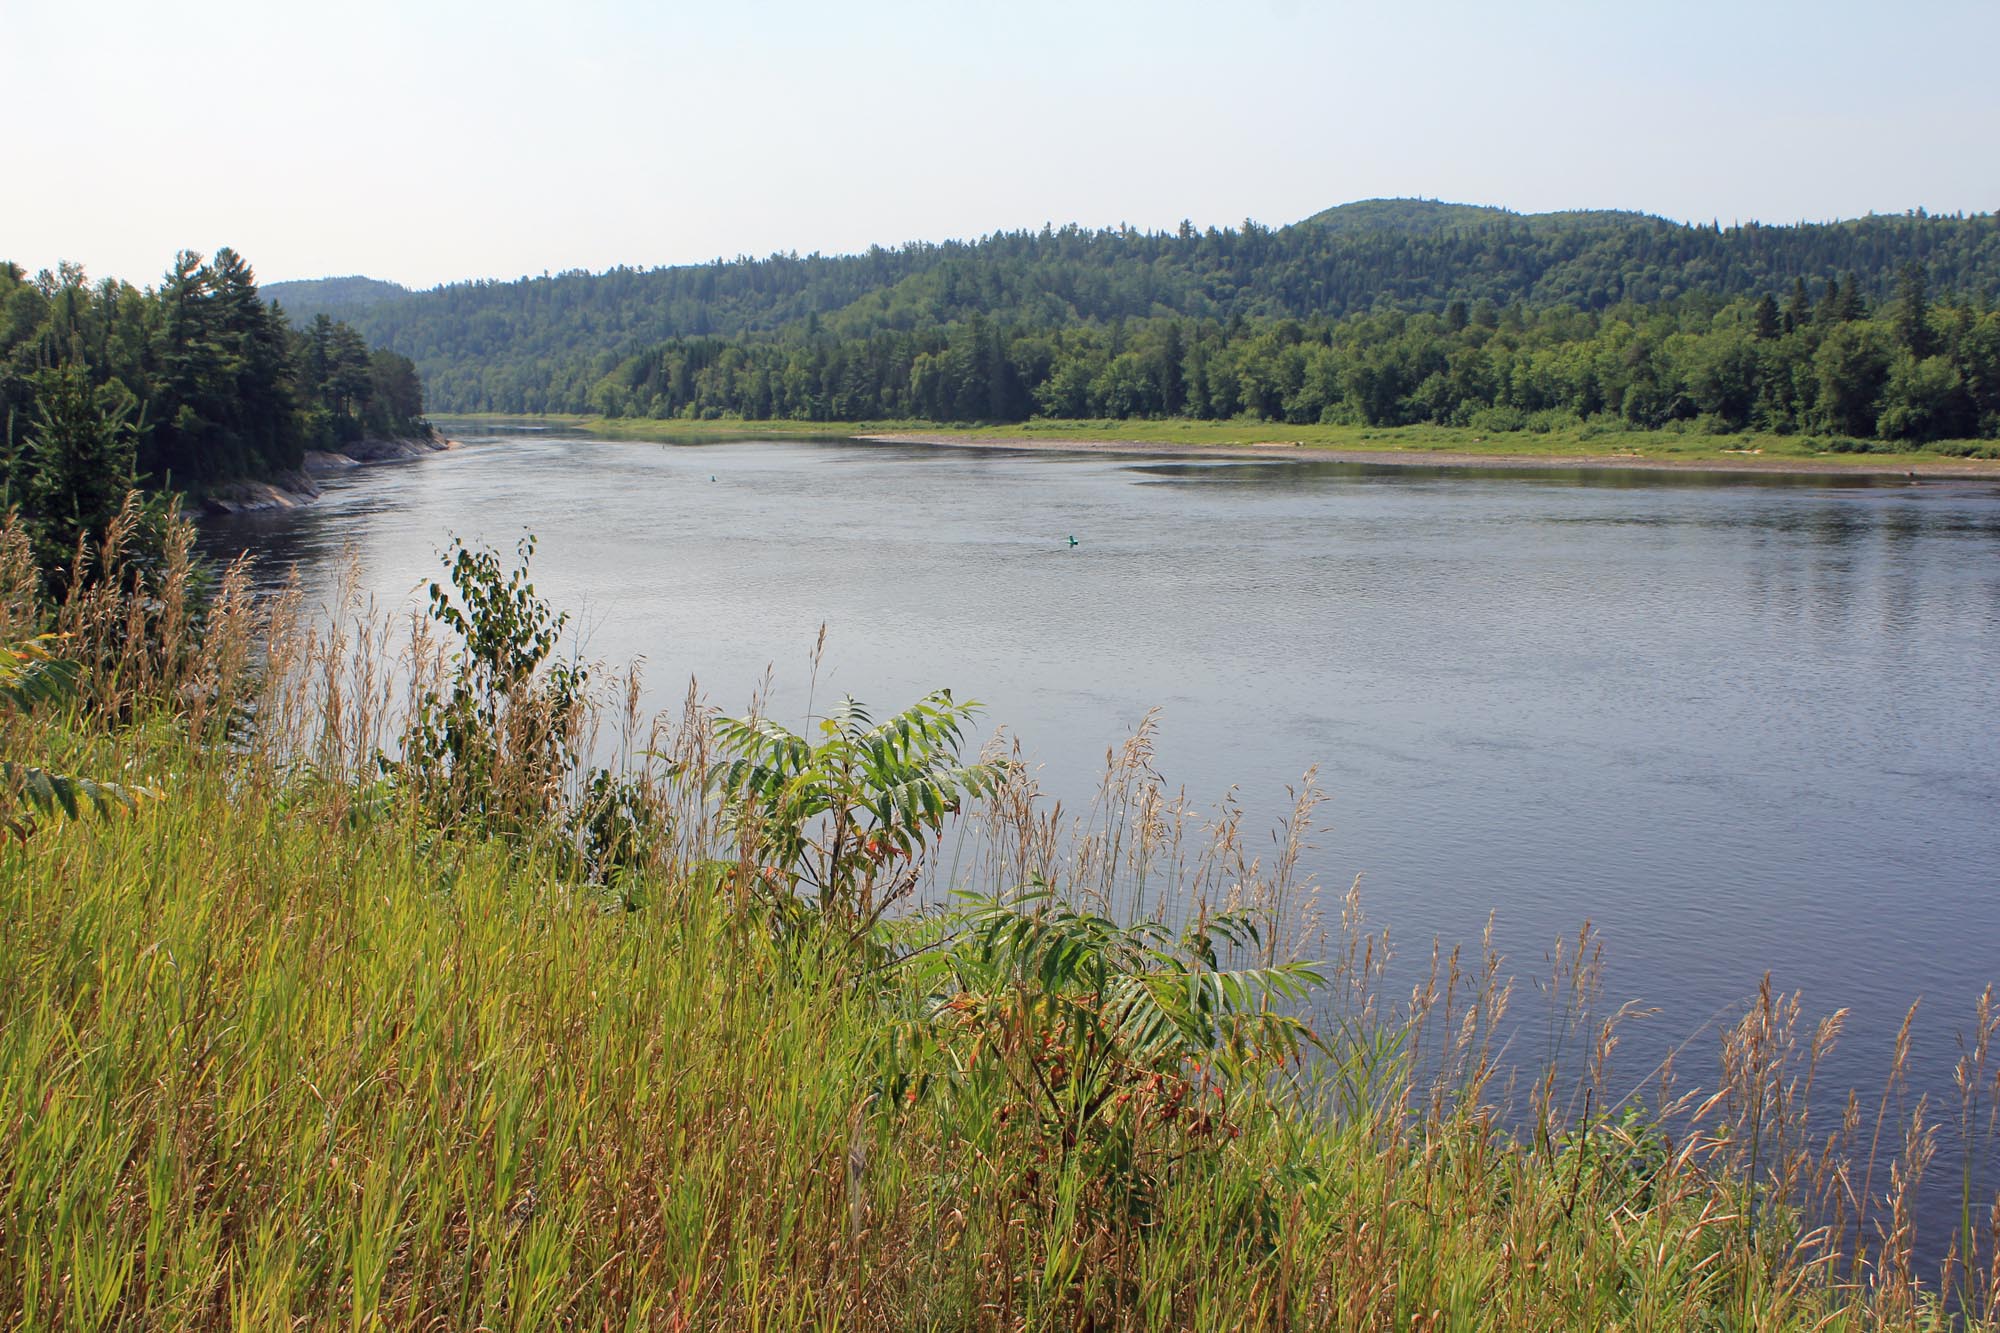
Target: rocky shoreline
pixel 289 490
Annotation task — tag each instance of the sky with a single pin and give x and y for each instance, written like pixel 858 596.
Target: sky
pixel 431 142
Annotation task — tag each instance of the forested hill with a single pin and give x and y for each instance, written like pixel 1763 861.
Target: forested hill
pixel 327 295
pixel 1426 217
pixel 191 383
pixel 542 343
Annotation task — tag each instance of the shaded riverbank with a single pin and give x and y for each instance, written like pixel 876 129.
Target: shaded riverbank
pixel 290 490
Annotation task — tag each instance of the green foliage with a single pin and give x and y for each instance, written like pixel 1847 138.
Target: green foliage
pixel 1729 367
pixel 196 382
pixel 495 740
pixel 506 631
pixel 617 829
pixel 31 677
pixel 1621 1157
pixel 839 828
pixel 552 343
pixel 76 470
pixel 1085 1032
pixel 1723 367
pixel 49 793
pixel 1924 399
pixel 496 743
pixel 1851 366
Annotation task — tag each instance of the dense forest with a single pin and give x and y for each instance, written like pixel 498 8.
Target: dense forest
pixel 1911 370
pixel 199 380
pixel 1367 271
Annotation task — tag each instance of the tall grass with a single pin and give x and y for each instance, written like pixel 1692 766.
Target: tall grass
pixel 289 1048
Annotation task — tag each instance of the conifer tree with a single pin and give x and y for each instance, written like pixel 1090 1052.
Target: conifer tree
pixel 1913 329
pixel 1764 321
pixel 1853 305
pixel 79 463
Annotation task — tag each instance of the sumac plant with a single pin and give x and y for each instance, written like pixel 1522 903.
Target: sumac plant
pixel 32 676
pixel 838 829
pixel 1098 1039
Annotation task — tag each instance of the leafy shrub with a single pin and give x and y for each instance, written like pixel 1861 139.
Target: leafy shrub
pixel 1549 420
pixel 495 743
pixel 839 829
pixel 1109 1048
pixel 1498 420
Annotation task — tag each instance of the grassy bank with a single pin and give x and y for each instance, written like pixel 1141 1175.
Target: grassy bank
pixel 1570 446
pixel 350 1023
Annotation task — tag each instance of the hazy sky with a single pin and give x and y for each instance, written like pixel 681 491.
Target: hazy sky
pixel 426 142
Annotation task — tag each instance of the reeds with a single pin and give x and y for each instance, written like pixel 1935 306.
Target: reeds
pixel 281 1049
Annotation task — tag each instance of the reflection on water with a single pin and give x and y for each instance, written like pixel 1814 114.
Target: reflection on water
pixel 1740 723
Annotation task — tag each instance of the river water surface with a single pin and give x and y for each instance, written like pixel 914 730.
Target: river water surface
pixel 1739 723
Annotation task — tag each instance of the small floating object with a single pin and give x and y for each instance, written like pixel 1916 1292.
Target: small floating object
pixel 711 476
pixel 1072 539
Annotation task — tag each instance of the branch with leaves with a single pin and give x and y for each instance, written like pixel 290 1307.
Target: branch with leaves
pixel 842 826
pixel 32 676
pixel 1089 1030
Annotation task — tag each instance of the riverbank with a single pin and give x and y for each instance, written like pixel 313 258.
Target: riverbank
pixel 1461 454
pixel 1409 446
pixel 290 490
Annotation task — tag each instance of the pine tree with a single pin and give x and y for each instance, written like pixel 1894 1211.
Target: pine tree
pixel 79 463
pixel 1913 329
pixel 1853 305
pixel 1798 310
pixel 1764 321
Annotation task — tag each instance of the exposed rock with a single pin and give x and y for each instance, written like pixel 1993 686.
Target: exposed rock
pixel 293 489
pixel 388 451
pixel 320 463
pixel 288 491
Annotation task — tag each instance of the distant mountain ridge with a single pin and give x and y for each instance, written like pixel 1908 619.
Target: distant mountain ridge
pixel 523 345
pixel 313 296
pixel 1427 217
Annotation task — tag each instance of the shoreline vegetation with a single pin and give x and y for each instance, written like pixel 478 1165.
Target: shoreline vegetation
pixel 197 387
pixel 339 987
pixel 1413 446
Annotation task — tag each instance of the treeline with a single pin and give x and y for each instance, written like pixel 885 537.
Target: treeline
pixel 1825 360
pixel 543 344
pixel 199 380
